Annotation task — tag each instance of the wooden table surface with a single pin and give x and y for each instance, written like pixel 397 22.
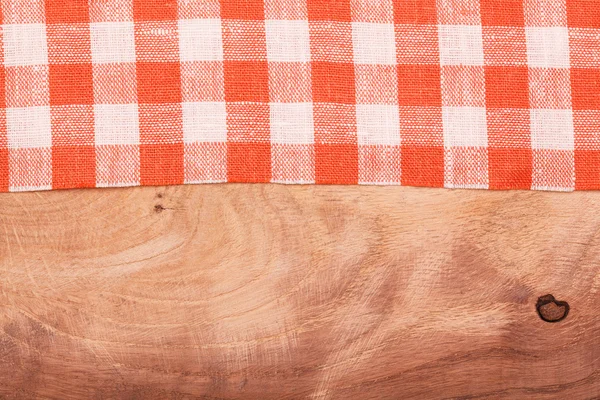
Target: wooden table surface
pixel 291 292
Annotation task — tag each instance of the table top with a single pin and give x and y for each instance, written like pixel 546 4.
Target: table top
pixel 270 291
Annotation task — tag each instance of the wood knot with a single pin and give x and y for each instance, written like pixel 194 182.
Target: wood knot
pixel 159 208
pixel 552 310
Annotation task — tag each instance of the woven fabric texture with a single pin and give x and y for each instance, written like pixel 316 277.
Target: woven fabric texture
pixel 498 94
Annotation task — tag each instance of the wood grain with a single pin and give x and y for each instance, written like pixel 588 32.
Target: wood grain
pixel 278 292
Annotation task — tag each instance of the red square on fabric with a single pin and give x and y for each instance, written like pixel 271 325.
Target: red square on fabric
pixel 154 10
pixel 583 14
pixel 161 164
pixel 585 88
pixel 2 88
pixel 506 87
pixel 248 162
pixel 419 85
pixel 333 83
pixel 158 82
pixel 415 12
pixel 329 10
pixel 4 171
pixel 502 13
pixel 71 84
pixel 336 164
pixel 510 168
pixel 246 81
pixel 587 169
pixel 73 167
pixel 248 10
pixel 67 11
pixel 422 166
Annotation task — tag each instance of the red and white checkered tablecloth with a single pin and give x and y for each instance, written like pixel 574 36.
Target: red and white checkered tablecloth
pixel 498 94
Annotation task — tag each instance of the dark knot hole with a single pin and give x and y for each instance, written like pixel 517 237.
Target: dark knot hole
pixel 552 310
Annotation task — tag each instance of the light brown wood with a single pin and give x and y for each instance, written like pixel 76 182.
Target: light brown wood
pixel 277 292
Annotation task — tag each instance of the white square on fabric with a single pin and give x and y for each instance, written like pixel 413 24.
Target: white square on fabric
pixel 292 123
pixel 552 129
pixel 378 124
pixel 374 43
pixel 116 124
pixel 29 127
pixel 204 122
pixel 287 41
pixel 548 47
pixel 461 44
pixel 112 42
pixel 200 40
pixel 25 44
pixel 464 126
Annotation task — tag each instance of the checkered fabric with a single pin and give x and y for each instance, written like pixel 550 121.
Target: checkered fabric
pixel 499 94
